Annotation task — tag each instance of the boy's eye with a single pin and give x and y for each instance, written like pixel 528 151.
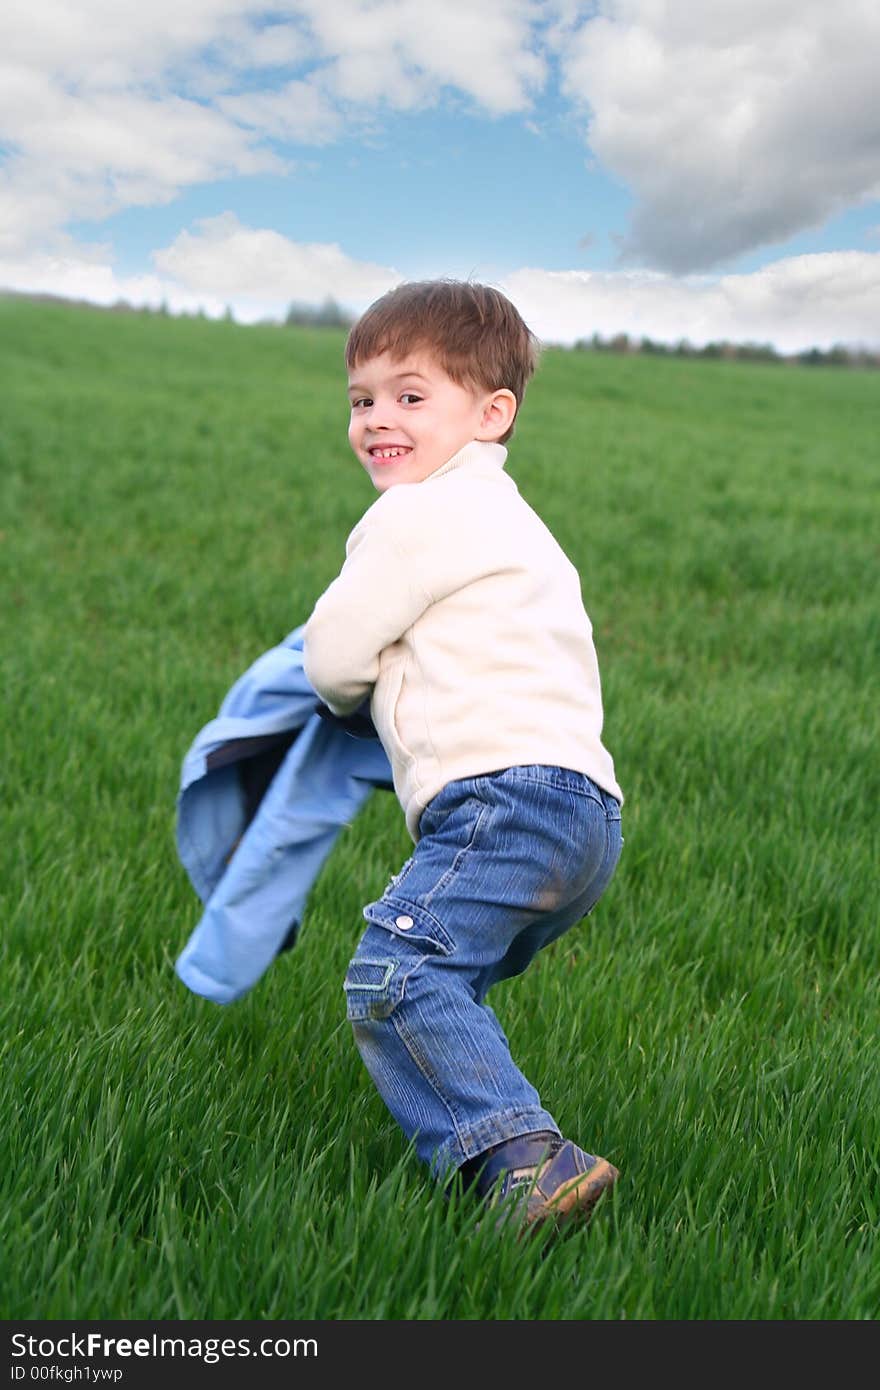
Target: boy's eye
pixel 361 401
pixel 410 398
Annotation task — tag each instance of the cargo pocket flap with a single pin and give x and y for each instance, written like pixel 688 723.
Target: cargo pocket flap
pixel 412 923
pixel 369 974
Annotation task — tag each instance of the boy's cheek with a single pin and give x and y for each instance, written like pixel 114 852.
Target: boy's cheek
pixel 354 435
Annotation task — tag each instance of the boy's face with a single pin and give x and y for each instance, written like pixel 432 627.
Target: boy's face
pixel 408 417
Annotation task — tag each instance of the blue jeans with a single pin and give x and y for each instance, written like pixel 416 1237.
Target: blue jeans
pixel 506 862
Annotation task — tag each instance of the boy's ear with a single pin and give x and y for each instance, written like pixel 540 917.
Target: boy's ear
pixel 498 415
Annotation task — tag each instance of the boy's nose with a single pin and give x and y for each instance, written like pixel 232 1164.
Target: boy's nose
pixel 379 417
pixel 381 414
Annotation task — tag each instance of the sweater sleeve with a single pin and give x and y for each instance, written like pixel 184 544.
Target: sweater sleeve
pixel 375 599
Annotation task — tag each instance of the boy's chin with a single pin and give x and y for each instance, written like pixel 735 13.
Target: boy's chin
pixel 384 478
pixel 380 482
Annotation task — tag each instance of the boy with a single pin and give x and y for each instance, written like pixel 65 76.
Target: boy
pixel 460 616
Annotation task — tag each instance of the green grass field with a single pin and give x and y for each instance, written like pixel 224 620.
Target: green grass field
pixel 174 496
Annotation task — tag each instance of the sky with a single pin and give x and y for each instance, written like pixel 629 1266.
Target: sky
pixel 700 169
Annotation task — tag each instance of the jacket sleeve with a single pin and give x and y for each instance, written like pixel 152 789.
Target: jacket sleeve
pixel 375 599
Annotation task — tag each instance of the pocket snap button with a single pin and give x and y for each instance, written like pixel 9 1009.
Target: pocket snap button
pixel 403 922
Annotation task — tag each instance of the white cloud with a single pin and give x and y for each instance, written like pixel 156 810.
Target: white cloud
pixel 260 272
pixel 735 123
pixel 298 112
pixel 93 157
pixel 94 40
pixel 106 104
pixel 800 302
pixel 401 51
pixel 88 139
pixel 272 45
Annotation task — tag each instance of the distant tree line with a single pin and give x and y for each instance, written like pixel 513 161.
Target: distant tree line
pixel 837 356
pixel 326 315
pixel 330 314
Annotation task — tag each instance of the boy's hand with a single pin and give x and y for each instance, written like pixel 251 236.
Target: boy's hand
pixel 358 725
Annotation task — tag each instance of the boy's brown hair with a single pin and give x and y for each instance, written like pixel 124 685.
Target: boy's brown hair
pixel 473 332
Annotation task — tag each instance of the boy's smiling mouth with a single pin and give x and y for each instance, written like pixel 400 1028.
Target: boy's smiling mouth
pixel 388 451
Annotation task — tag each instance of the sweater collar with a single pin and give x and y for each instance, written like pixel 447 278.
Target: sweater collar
pixel 477 453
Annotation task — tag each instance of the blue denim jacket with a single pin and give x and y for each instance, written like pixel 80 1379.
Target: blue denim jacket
pixel 272 777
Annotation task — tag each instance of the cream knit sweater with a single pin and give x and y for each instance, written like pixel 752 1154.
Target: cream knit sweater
pixel 463 615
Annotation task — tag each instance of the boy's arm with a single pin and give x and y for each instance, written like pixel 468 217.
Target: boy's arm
pixel 374 600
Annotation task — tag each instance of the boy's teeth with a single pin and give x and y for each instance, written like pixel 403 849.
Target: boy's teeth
pixel 388 453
